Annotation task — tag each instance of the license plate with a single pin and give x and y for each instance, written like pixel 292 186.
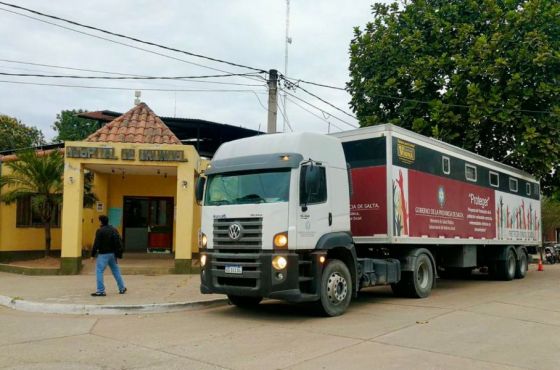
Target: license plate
pixel 234 269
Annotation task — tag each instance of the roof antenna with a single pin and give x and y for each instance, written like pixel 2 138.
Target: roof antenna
pixel 137 95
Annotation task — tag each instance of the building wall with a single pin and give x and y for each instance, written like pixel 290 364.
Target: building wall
pixel 110 190
pixel 22 238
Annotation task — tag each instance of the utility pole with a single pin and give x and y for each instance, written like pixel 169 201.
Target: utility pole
pixel 272 100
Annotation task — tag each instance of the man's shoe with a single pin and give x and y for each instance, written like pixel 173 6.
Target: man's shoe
pixel 122 291
pixel 98 294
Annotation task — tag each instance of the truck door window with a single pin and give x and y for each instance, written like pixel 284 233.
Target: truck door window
pixel 318 193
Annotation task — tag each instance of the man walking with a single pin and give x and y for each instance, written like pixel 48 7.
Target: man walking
pixel 106 246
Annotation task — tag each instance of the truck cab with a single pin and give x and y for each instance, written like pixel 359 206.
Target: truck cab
pixel 273 207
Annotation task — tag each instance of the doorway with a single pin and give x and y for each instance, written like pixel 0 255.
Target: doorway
pixel 148 224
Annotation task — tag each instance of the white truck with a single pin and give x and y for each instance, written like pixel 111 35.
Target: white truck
pixel 308 217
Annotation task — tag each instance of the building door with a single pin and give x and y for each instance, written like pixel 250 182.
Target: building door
pixel 148 223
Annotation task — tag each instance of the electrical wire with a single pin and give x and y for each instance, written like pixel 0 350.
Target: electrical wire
pixel 130 38
pixel 284 116
pixel 313 114
pixel 319 109
pixel 289 84
pixel 124 44
pixel 127 88
pixel 106 72
pixel 123 77
pixel 296 84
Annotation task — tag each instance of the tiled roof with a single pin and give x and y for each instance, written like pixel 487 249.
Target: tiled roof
pixel 138 125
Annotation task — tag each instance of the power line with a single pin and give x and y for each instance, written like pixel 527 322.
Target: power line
pixel 290 84
pixel 127 88
pixel 283 113
pixel 122 77
pixel 131 38
pixel 122 43
pixel 319 109
pixel 314 114
pixel 107 72
pixel 296 84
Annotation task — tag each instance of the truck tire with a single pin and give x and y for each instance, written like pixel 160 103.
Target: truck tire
pixel 417 283
pixel 336 289
pixel 505 270
pixel 521 266
pixel 244 302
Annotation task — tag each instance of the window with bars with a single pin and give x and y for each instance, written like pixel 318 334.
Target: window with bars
pixel 26 216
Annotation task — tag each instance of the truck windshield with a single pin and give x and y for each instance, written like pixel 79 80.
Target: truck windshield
pixel 248 187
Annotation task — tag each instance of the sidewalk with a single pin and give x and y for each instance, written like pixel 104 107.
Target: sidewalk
pixel 71 294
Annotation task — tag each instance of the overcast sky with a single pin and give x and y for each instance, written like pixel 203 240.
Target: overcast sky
pixel 249 32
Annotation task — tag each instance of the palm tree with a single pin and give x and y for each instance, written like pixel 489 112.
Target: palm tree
pixel 38 176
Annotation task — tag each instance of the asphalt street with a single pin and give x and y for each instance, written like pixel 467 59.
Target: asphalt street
pixel 464 324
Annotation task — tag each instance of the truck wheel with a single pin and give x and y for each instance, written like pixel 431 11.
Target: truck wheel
pixel 244 302
pixel 417 283
pixel 505 270
pixel 521 266
pixel 336 289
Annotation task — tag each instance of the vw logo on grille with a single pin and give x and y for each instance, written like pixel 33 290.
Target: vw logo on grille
pixel 234 231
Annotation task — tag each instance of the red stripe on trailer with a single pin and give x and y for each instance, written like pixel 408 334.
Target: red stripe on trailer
pixel 368 205
pixel 441 207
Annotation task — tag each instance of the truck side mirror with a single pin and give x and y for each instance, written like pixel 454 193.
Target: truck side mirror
pixel 199 190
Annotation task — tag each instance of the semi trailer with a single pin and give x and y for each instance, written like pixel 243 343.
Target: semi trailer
pixel 307 217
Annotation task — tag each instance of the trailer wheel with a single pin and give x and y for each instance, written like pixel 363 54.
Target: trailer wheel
pixel 521 266
pixel 506 269
pixel 336 289
pixel 244 302
pixel 417 283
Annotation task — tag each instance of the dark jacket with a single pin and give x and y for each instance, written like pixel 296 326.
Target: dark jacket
pixel 107 240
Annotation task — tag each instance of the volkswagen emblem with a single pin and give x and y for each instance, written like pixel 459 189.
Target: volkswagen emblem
pixel 234 231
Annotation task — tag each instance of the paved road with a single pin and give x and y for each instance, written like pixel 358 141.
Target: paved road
pixel 473 324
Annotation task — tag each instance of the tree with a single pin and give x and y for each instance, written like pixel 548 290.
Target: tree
pixel 550 214
pixel 16 135
pixel 482 75
pixel 70 127
pixel 39 176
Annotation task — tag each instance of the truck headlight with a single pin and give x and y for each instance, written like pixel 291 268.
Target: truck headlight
pixel 203 260
pixel 280 240
pixel 279 262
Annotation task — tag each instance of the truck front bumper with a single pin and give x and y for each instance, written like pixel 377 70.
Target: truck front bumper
pixel 252 274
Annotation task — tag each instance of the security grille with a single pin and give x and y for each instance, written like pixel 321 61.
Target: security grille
pixel 250 237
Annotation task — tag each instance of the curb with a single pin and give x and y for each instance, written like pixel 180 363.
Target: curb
pixel 93 309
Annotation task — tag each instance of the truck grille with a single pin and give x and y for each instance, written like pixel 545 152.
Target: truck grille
pixel 251 233
pixel 248 260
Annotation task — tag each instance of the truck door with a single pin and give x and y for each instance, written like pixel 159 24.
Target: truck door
pixel 314 216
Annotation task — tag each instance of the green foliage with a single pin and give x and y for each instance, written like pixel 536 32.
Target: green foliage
pixel 483 75
pixel 16 135
pixel 39 176
pixel 70 127
pixel 550 214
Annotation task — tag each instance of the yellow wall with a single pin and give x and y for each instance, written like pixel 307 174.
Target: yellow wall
pixel 22 238
pixel 110 190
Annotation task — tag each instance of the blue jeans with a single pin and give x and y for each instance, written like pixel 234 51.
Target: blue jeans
pixel 101 264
